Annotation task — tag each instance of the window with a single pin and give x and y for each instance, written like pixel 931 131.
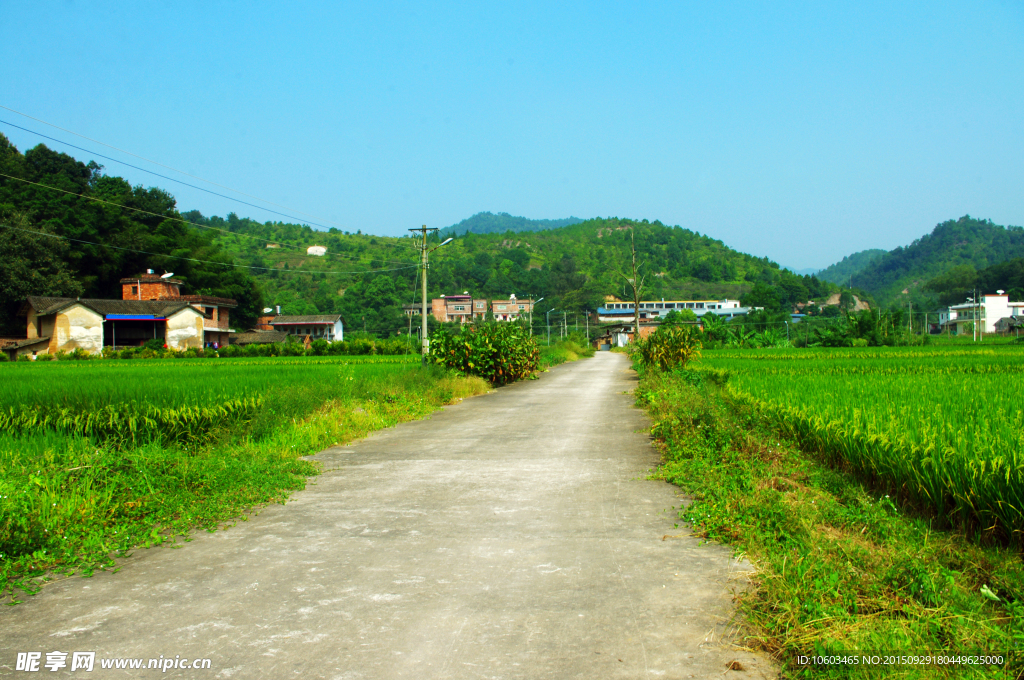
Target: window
pixel 135 290
pixel 522 307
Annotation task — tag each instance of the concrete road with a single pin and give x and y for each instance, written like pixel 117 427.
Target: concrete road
pixel 513 535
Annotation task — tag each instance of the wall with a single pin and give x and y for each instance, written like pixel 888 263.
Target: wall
pixel 161 290
pixel 184 329
pixel 77 327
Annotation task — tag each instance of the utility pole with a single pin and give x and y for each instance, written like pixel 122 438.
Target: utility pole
pixel 425 348
pixel 548 321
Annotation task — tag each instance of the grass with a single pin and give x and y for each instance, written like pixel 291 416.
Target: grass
pixel 75 496
pixel 841 567
pixel 563 351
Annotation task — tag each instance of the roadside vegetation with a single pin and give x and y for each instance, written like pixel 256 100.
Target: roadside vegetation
pixel 501 352
pixel 877 492
pixel 103 457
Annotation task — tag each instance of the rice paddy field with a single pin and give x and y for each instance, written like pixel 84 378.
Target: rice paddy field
pixel 941 428
pixel 101 457
pixel 876 493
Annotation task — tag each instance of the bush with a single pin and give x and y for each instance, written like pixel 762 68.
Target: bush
pixel 667 347
pixel 497 352
pixel 155 344
pixel 319 347
pixel 3 357
pixel 232 351
pixel 24 357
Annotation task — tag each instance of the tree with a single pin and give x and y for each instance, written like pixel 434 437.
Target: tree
pixel 32 262
pixel 635 283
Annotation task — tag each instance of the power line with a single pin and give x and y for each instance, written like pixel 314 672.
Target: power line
pixel 175 219
pixel 99 155
pixel 168 167
pixel 192 259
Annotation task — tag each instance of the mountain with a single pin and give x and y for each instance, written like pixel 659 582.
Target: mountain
pixel 903 274
pixel 809 271
pixel 489 223
pixel 851 265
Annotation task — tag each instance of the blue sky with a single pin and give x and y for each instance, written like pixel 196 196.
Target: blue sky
pixel 800 131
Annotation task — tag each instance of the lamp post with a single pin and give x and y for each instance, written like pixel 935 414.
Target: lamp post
pixel 548 322
pixel 532 305
pixel 425 340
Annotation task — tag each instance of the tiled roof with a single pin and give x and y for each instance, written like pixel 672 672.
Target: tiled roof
pixel 257 337
pixel 211 300
pixel 51 305
pixel 25 343
pixel 308 318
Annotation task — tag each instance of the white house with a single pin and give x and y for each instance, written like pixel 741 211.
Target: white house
pixel 989 310
pixel 317 326
pixel 319 251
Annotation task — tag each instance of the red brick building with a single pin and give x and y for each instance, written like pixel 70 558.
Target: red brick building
pixel 215 310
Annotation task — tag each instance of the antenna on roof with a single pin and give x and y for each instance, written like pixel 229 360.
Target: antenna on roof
pixel 267 310
pixel 166 275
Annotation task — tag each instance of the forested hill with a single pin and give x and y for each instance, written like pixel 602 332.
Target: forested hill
pixel 365 278
pixel 841 272
pixel 489 223
pixel 54 198
pixel 572 268
pixel 954 243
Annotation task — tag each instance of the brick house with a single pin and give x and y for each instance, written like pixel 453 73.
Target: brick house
pixel 215 310
pixel 449 308
pixel 511 309
pixel 463 308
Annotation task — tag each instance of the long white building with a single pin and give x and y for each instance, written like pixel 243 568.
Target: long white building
pixel 652 309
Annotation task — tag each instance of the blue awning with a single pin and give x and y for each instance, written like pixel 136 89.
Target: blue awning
pixel 135 317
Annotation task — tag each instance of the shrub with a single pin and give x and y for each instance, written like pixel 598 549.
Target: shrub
pixel 24 357
pixel 497 352
pixel 319 347
pixel 667 347
pixel 155 344
pixel 338 348
pixel 290 349
pixel 232 351
pixel 361 346
pixel 3 357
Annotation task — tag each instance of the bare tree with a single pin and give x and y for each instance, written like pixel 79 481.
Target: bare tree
pixel 636 284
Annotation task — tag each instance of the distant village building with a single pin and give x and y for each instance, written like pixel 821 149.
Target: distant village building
pixel 993 313
pixel 464 308
pixel 319 251
pixel 327 327
pixel 511 309
pixel 659 309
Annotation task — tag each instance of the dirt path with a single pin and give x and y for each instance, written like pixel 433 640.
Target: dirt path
pixel 511 536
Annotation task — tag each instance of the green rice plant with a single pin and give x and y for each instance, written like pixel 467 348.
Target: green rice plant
pixel 101 457
pixel 943 430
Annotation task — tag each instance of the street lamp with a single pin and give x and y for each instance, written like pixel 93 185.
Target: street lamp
pixel 974 321
pixel 424 229
pixel 532 305
pixel 548 321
